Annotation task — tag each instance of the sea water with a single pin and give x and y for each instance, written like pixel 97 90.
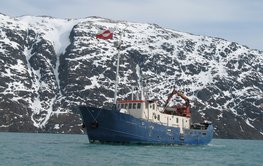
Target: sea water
pixel 28 149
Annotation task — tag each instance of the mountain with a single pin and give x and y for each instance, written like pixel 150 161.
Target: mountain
pixel 49 66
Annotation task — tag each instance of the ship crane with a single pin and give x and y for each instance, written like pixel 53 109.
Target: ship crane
pixel 183 109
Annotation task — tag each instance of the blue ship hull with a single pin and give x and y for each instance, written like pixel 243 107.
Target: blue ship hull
pixel 111 126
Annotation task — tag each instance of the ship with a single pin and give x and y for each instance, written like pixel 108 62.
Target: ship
pixel 144 122
pixel 140 120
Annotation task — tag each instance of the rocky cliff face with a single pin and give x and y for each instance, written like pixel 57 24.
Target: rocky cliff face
pixel 49 66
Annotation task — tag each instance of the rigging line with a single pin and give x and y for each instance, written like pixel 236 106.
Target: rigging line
pixel 95 118
pixel 98 114
pixel 92 116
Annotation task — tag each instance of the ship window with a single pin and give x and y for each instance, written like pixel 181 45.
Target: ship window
pixel 126 105
pixel 153 106
pixel 130 105
pixel 158 117
pixel 146 105
pixel 138 105
pixel 122 105
pixel 134 105
pixel 176 120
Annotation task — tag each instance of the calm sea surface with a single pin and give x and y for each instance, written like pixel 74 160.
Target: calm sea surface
pixel 22 149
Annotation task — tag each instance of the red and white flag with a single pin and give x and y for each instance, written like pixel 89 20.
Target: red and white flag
pixel 105 34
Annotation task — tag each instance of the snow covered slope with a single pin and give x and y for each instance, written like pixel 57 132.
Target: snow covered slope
pixel 49 66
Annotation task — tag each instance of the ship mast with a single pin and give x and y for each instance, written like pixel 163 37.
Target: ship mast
pixel 118 45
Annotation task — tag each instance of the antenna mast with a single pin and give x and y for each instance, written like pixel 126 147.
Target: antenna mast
pixel 118 46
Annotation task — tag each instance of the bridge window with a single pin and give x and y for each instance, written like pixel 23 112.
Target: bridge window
pixel 134 105
pixel 153 106
pixel 146 105
pixel 130 105
pixel 139 106
pixel 126 105
pixel 122 105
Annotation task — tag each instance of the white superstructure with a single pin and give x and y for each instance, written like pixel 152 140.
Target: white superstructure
pixel 149 110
